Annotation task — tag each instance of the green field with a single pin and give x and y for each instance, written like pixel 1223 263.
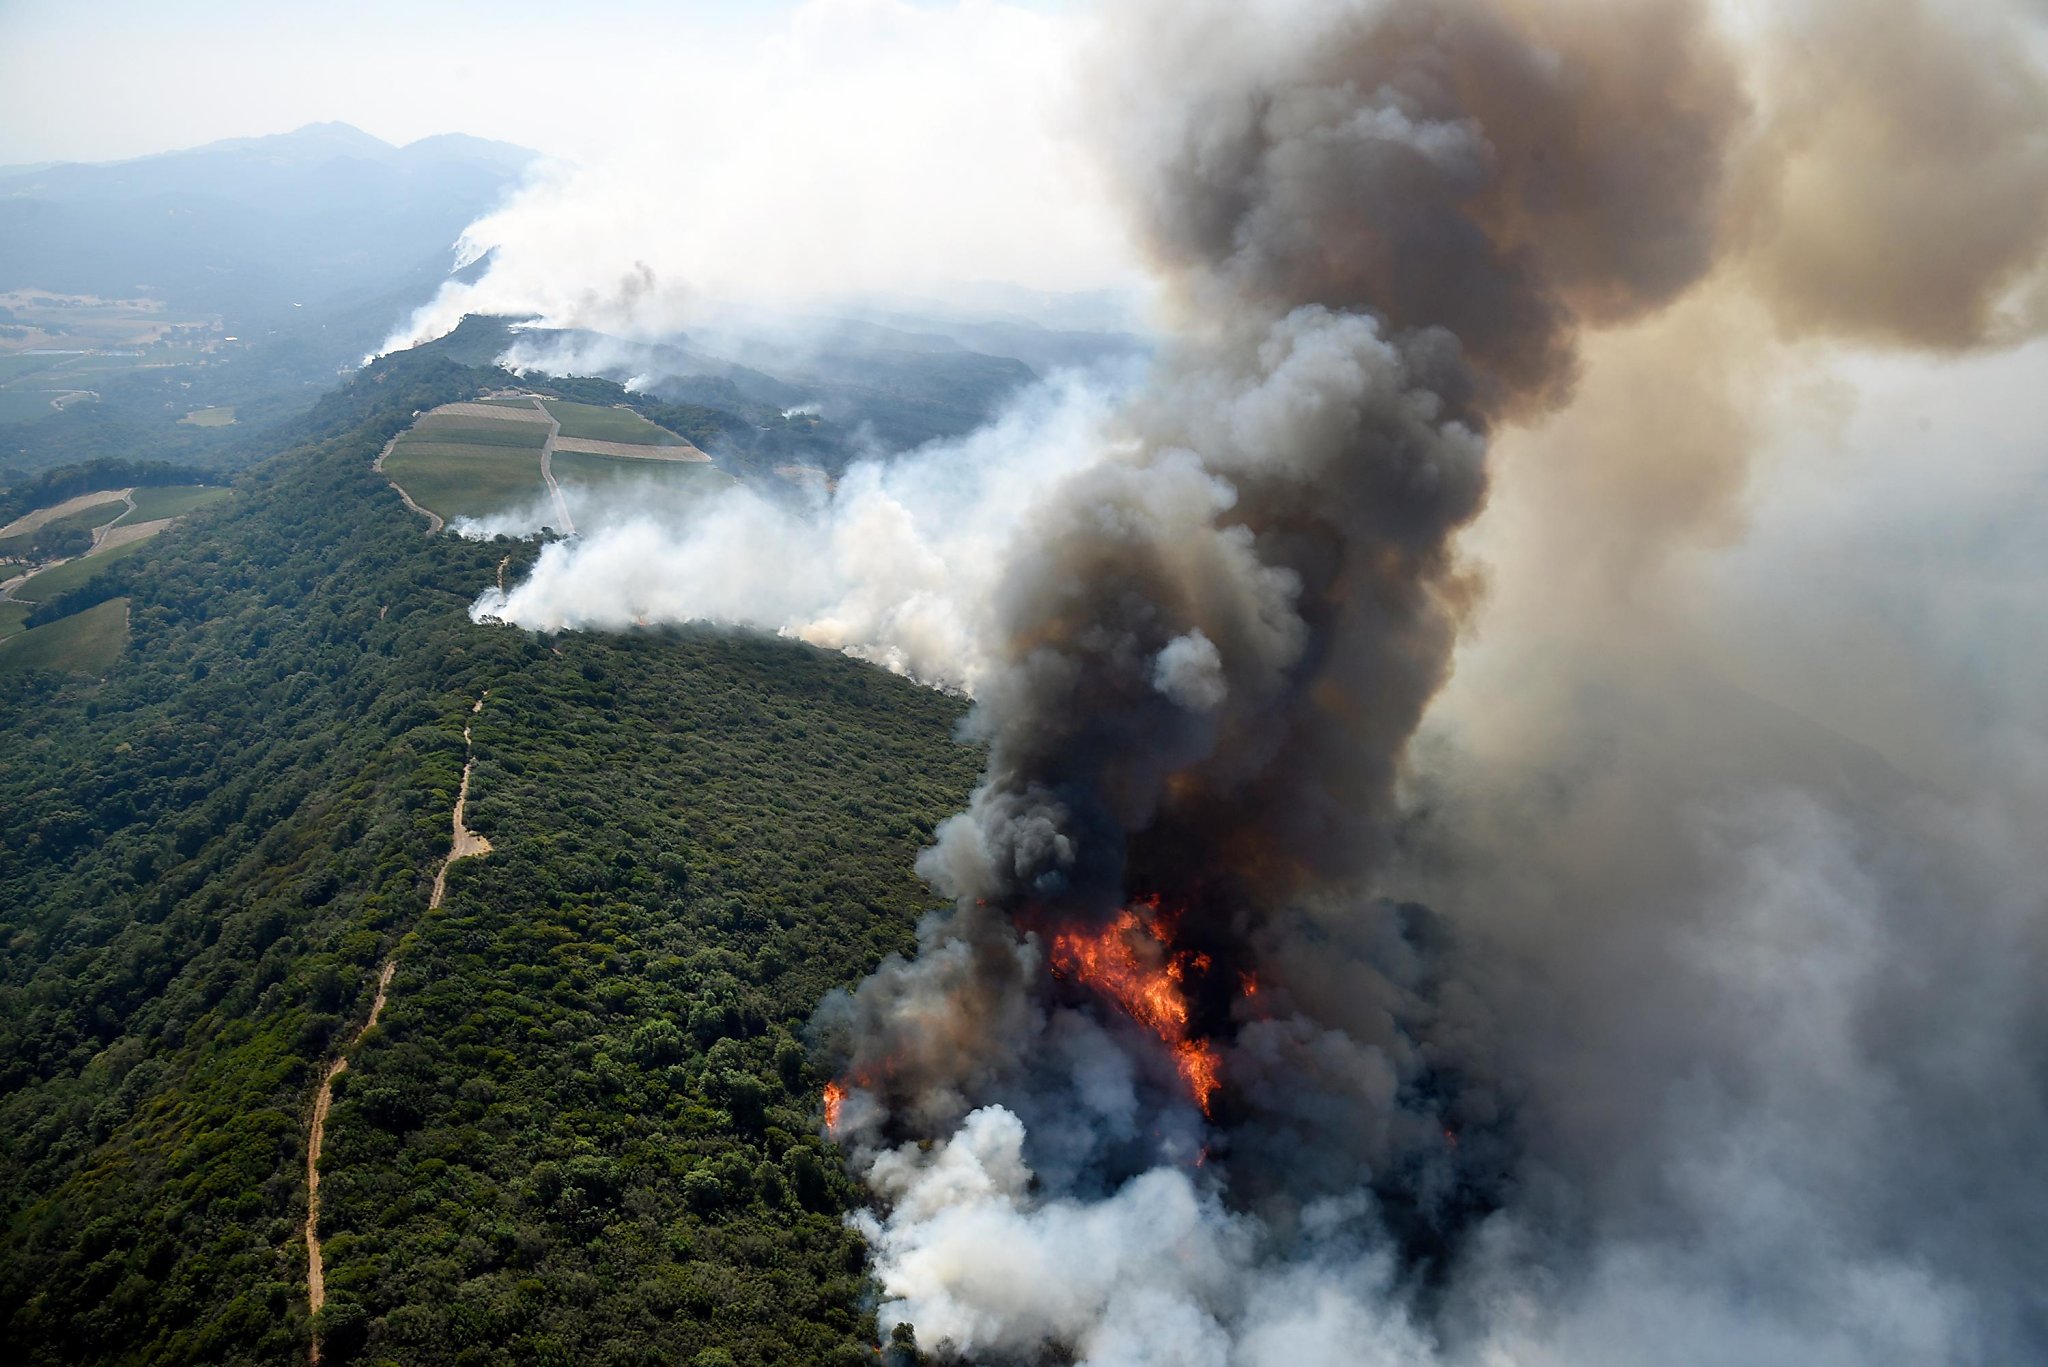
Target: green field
pixel 85 366
pixel 13 616
pixel 457 479
pixel 173 500
pixel 25 405
pixel 42 587
pixel 83 343
pixel 85 519
pixel 84 643
pixel 15 366
pixel 210 417
pixel 593 423
pixel 477 432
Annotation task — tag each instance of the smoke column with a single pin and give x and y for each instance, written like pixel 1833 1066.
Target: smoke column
pixel 1704 1033
pixel 1168 1084
pixel 1166 1050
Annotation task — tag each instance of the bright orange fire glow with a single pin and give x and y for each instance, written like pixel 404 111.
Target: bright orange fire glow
pixel 1149 993
pixel 835 1097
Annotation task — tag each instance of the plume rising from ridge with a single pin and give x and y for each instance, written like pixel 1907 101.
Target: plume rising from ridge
pixel 1212 647
pixel 1668 1065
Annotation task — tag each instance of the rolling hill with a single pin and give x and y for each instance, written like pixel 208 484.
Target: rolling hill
pixel 585 1128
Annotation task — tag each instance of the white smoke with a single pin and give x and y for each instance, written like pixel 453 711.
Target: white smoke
pixel 892 564
pixel 513 522
pixel 1735 818
pixel 871 145
pixel 1157 1274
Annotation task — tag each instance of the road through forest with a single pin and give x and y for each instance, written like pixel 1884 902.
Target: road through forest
pixel 464 844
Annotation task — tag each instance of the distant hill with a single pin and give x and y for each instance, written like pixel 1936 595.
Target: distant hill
pixel 239 279
pixel 252 226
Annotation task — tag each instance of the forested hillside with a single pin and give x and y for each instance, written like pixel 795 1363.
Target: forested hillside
pixel 585 1129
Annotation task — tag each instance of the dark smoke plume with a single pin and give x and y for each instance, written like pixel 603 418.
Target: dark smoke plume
pixel 1171 1082
pixel 1384 226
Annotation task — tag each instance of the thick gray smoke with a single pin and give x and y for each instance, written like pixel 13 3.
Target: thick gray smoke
pixel 1211 653
pixel 1463 1134
pixel 1295 1007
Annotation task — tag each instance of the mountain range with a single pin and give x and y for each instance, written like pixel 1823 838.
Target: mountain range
pixel 249 227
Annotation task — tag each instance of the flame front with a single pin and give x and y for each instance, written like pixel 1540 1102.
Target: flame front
pixel 835 1097
pixel 1149 992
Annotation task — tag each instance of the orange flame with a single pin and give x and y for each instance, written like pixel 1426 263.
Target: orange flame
pixel 835 1097
pixel 1150 994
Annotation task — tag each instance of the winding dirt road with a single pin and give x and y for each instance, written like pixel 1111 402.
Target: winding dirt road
pixel 547 469
pixel 100 534
pixel 464 844
pixel 316 1282
pixel 35 521
pixel 77 503
pixel 434 523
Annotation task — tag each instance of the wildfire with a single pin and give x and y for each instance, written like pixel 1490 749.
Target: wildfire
pixel 835 1097
pixel 1149 991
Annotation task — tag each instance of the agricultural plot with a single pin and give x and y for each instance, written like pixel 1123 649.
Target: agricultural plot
pixel 121 533
pixel 49 532
pixel 622 425
pixel 631 450
pixel 465 430
pixel 466 479
pixel 36 391
pixel 28 522
pixel 60 579
pixel 84 643
pixel 55 350
pixel 210 417
pixel 173 500
pixel 25 404
pixel 471 460
pixel 492 457
pixel 44 534
pixel 22 365
pixel 89 641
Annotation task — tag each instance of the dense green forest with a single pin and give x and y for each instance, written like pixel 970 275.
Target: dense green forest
pixel 585 1130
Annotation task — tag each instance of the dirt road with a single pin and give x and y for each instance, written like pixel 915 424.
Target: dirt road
pixel 103 536
pixel 102 532
pixel 316 1282
pixel 29 522
pixel 464 844
pixel 547 470
pixel 434 523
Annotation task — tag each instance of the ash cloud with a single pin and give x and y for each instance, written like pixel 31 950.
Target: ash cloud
pixel 865 148
pixel 1899 190
pixel 1417 648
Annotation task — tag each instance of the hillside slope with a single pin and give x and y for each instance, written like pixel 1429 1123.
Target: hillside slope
pixel 584 1129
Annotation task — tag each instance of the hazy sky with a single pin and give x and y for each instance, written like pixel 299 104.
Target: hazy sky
pixel 810 146
pixel 89 80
